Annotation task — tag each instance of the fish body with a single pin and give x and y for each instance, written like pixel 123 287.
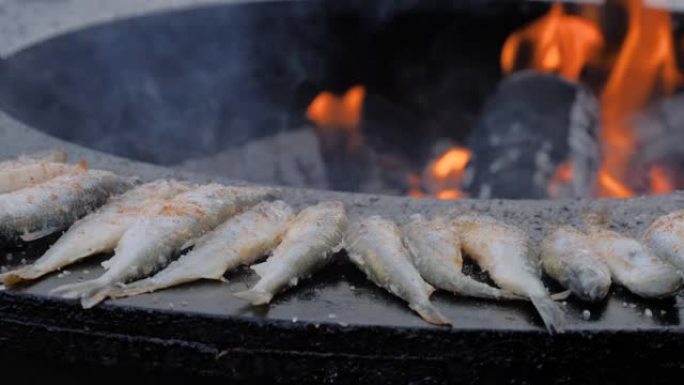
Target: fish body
pixel 666 238
pixel 160 233
pixel 375 246
pixel 568 257
pixel 312 237
pixel 98 232
pixel 634 265
pixel 242 239
pixel 435 250
pixel 34 212
pixel 30 170
pixel 503 251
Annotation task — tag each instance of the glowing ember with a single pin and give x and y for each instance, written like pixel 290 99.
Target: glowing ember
pixel 643 68
pixel 339 113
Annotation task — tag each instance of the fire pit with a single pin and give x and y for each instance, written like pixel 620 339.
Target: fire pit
pixel 323 96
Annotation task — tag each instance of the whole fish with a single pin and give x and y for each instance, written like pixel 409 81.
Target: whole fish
pixel 98 232
pixel 38 211
pixel 311 238
pixel 30 170
pixel 503 251
pixel 242 240
pixel 160 233
pixel 374 245
pixel 666 237
pixel 568 256
pixel 634 265
pixel 435 250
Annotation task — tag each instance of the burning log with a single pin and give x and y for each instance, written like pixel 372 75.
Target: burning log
pixel 533 124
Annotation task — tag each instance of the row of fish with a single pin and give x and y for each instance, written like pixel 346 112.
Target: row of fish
pixel 148 226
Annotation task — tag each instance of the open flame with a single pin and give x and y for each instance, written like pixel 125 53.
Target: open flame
pixel 339 114
pixel 644 67
pixel 640 68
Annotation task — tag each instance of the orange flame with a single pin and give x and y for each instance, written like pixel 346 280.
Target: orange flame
pixel 645 66
pixel 331 112
pixel 660 180
pixel 561 43
pixel 445 174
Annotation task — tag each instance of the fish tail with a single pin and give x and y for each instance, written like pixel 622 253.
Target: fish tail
pixel 95 297
pixel 136 288
pixel 255 297
pixel 469 287
pixel 430 314
pixel 551 314
pixel 15 277
pixel 81 290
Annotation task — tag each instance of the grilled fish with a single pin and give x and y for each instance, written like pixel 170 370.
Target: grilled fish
pixel 157 235
pixel 666 238
pixel 634 265
pixel 503 251
pixel 30 170
pixel 374 245
pixel 568 257
pixel 98 232
pixel 243 239
pixel 312 237
pixel 34 212
pixel 435 250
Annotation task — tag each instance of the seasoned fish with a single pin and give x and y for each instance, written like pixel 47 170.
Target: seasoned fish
pixel 568 257
pixel 38 211
pixel 98 232
pixel 374 245
pixel 312 237
pixel 503 251
pixel 30 170
pixel 634 265
pixel 435 250
pixel 666 237
pixel 157 235
pixel 243 239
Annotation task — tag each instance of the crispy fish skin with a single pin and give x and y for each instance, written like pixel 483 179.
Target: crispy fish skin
pixel 568 257
pixel 435 250
pixel 634 265
pixel 665 236
pixel 503 251
pixel 311 239
pixel 157 235
pixel 375 246
pixel 242 240
pixel 38 211
pixel 30 170
pixel 98 232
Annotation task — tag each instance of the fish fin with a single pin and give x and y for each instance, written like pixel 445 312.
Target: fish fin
pixel 260 268
pixel 28 237
pixel 429 313
pixel 107 264
pixel 551 314
pixel 15 277
pixel 562 296
pixel 191 242
pixel 429 289
pixel 255 297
